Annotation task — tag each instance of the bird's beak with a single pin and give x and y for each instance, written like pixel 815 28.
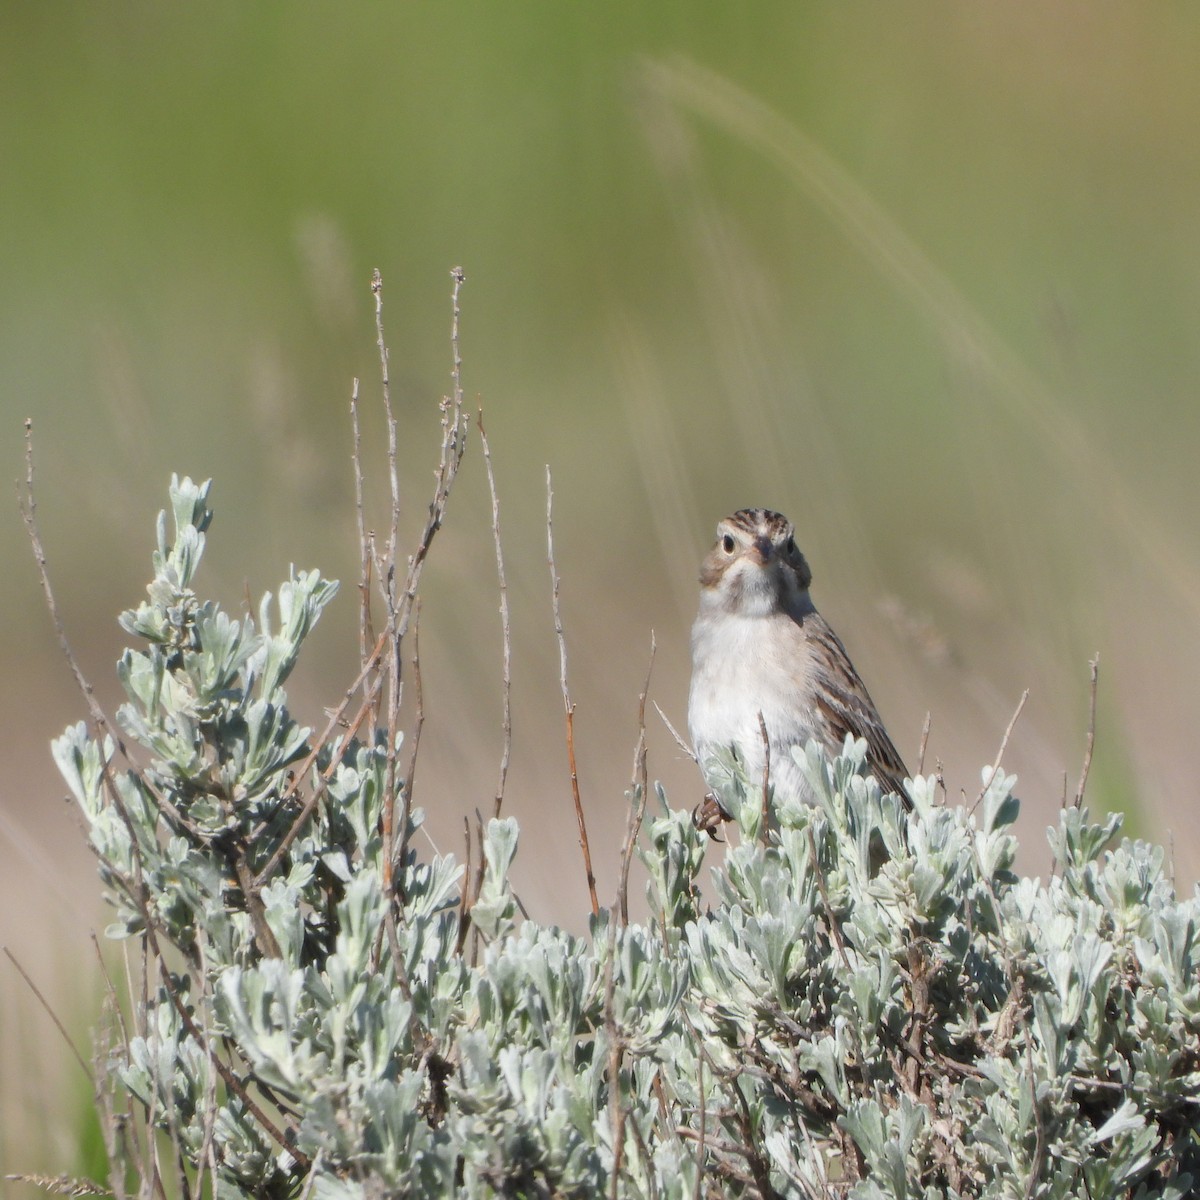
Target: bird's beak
pixel 763 550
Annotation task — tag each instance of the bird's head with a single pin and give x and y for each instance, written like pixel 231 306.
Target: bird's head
pixel 755 567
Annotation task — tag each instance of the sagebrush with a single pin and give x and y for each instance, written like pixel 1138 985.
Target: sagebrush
pixel 838 1023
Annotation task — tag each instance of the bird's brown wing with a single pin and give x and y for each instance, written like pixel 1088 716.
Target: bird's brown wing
pixel 845 706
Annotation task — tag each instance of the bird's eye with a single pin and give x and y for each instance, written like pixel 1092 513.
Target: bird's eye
pixel 727 544
pixel 791 545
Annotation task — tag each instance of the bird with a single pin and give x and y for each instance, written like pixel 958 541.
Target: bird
pixel 763 657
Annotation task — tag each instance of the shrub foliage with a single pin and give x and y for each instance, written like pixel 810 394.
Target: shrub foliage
pixel 325 1009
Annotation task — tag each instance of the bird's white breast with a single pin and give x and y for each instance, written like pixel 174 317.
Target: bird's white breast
pixel 743 666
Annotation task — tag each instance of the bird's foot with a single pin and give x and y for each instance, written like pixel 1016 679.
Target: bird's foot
pixel 708 816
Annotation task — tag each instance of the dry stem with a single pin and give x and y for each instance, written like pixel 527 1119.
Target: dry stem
pixel 680 740
pixel 640 786
pixel 566 695
pixel 62 1029
pixel 1000 753
pixel 506 629
pixel 766 781
pixel 924 743
pixel 1091 733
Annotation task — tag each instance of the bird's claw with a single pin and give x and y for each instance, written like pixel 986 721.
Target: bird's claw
pixel 708 816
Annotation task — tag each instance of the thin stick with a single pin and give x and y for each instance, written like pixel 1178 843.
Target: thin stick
pixel 1091 733
pixel 616 1046
pixel 33 987
pixel 365 636
pixel 924 743
pixel 464 897
pixel 112 990
pixel 1000 753
pixel 309 805
pixel 506 752
pixel 152 951
pixel 640 787
pixel 205 1156
pixel 401 853
pixel 680 740
pixel 456 274
pixel 393 476
pixel 479 873
pixel 27 503
pixel 388 819
pixel 701 1152
pixel 766 781
pixel 285 1141
pixel 567 705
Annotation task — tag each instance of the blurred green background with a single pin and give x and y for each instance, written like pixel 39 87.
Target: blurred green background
pixel 924 277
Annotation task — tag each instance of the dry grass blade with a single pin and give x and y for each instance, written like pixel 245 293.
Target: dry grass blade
pixel 506 629
pixel 765 833
pixel 637 809
pixel 881 240
pixel 616 1048
pixel 680 740
pixel 27 503
pixel 385 381
pixel 566 695
pixel 392 859
pixel 365 551
pixel 62 1029
pixel 453 447
pixel 322 741
pixel 1091 733
pixel 995 769
pixel 62 1185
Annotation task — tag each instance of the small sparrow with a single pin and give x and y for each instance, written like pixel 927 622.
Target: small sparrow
pixel 760 647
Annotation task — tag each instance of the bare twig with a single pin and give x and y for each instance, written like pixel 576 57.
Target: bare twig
pixel 766 780
pixel 616 1047
pixel 309 805
pixel 393 476
pixel 480 868
pixel 637 809
pixel 1039 1149
pixel 453 447
pixel 27 503
pixel 465 899
pixel 365 634
pixel 924 743
pixel 506 752
pixel 566 695
pixel 680 740
pixel 395 674
pixel 397 858
pixel 701 1151
pixel 1091 733
pixel 152 952
pixel 231 1081
pixel 205 1157
pixel 1000 753
pixel 112 990
pixel 62 1029
pixel 263 935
